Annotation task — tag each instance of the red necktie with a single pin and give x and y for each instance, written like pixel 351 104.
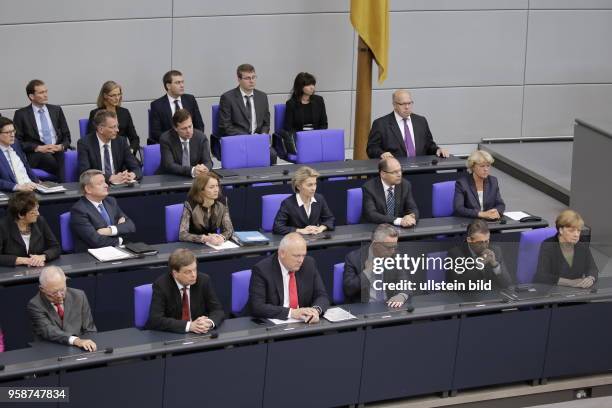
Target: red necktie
pixel 60 311
pixel 293 295
pixel 185 314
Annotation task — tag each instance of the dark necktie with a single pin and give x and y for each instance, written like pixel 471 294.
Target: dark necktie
pixel 390 202
pixel 185 159
pixel 108 171
pixel 185 313
pixel 176 105
pixel 248 109
pixel 408 140
pixel 293 294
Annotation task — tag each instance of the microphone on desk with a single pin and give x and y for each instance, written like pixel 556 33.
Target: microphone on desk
pixel 434 162
pixel 109 350
pixel 1 367
pixel 285 172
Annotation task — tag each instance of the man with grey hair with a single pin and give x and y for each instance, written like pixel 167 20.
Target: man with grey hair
pixel 96 219
pixel 359 277
pixel 287 284
pixel 402 133
pixel 60 314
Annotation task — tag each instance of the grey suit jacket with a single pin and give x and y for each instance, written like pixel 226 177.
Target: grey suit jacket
pixel 46 324
pixel 172 153
pixel 233 119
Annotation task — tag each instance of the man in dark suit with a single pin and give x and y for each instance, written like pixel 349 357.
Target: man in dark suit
pixel 244 110
pixel 486 263
pixel 163 108
pixel 184 299
pixel 103 150
pixel 388 198
pixel 96 220
pixel 15 172
pixel 402 133
pixel 184 150
pixel 42 130
pixel 362 271
pixel 288 284
pixel 60 314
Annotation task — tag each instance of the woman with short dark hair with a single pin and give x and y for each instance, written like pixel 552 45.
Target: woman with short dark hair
pixel 304 110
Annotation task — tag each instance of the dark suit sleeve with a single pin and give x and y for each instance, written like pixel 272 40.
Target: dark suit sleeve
pixel 213 306
pixel 126 227
pixel 326 218
pixel 369 212
pixel 129 161
pixel 590 266
pixel 546 272
pixel 87 323
pixel 157 319
pixel 205 153
pixel 282 225
pixel 83 156
pixel 319 293
pixel 52 248
pixel 43 327
pixel 168 165
pixel 503 280
pixel 83 228
pixel 459 201
pixel 20 122
pixel 410 206
pixel 500 206
pixel 323 118
pixel 226 126
pixel 289 120
pixel 155 131
pixel 265 126
pixel 351 280
pixel 257 298
pixel 63 130
pixel 374 148
pixel 90 125
pixel 131 131
pixel 5 259
pixel 198 123
pixel 430 146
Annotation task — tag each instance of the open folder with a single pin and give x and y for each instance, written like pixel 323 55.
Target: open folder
pixel 110 253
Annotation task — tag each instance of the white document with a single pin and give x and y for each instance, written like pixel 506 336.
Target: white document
pixel 46 190
pixel 109 253
pixel 288 321
pixel 516 215
pixel 225 245
pixel 338 314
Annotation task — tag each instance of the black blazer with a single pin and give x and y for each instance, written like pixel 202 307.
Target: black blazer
pixel 126 125
pixel 356 285
pixel 88 149
pixel 374 206
pixel 498 281
pixel 552 264
pixel 172 153
pixel 167 307
pixel 233 119
pixel 266 295
pixel 291 217
pixel 386 136
pixel 294 120
pixel 27 131
pixel 42 241
pixel 85 220
pixel 161 116
pixel 466 202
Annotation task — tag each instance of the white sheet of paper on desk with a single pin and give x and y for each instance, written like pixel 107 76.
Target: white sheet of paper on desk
pixel 516 215
pixel 108 253
pixel 338 314
pixel 290 320
pixel 225 245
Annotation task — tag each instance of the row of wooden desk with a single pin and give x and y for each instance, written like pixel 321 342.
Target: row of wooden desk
pixel 449 342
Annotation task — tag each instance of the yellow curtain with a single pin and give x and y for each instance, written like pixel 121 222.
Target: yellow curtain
pixel 370 18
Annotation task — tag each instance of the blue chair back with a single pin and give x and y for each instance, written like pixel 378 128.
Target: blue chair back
pixel 279 116
pixel 243 151
pixel 354 200
pixel 173 219
pixel 83 123
pixel 269 207
pixel 65 233
pixel 71 166
pixel 435 270
pixel 338 291
pixel 442 197
pixel 529 252
pixel 43 175
pixel 240 290
pixel 323 145
pixel 142 304
pixel 151 159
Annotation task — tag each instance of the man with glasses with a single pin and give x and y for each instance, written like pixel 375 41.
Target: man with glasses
pixel 402 133
pixel 103 150
pixel 15 172
pixel 388 198
pixel 60 314
pixel 244 110
pixel 184 150
pixel 359 278
pixel 42 130
pixel 486 263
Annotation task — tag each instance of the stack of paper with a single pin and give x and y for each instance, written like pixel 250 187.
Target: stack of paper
pixel 49 188
pixel 109 253
pixel 516 215
pixel 338 314
pixel 225 245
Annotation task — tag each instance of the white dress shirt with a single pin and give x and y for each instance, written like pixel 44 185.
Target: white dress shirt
pixel 19 169
pixel 481 199
pixel 398 221
pixel 253 116
pixel 400 123
pixel 285 273
pixel 110 153
pixel 39 125
pixel 171 100
pixel 180 287
pixel 302 204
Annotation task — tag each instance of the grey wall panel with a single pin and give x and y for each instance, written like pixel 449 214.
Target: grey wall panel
pixel 550 110
pixel 466 48
pixel 40 11
pixel 570 4
pixel 275 45
pixel 192 8
pixel 463 115
pixel 571 46
pixel 136 54
pixel 410 5
pixel 73 114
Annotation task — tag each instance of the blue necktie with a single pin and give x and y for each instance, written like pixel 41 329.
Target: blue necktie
pixel 390 202
pixel 46 131
pixel 108 171
pixel 104 215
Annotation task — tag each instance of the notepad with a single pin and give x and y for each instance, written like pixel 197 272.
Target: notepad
pixel 225 245
pixel 109 253
pixel 516 215
pixel 338 314
pixel 48 187
pixel 288 321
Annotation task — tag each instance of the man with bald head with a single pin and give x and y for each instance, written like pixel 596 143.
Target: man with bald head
pixel 287 284
pixel 402 133
pixel 60 314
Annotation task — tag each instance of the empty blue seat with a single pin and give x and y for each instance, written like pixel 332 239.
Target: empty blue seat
pixel 243 151
pixel 142 304
pixel 240 290
pixel 338 291
pixel 269 207
pixel 173 220
pixel 529 252
pixel 65 233
pixel 322 145
pixel 354 201
pixel 151 159
pixel 442 196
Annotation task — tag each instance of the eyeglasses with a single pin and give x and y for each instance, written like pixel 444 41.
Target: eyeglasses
pixel 404 104
pixel 54 293
pixel 9 132
pixel 114 95
pixel 249 78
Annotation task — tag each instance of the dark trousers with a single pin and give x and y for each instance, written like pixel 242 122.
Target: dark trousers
pixel 50 162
